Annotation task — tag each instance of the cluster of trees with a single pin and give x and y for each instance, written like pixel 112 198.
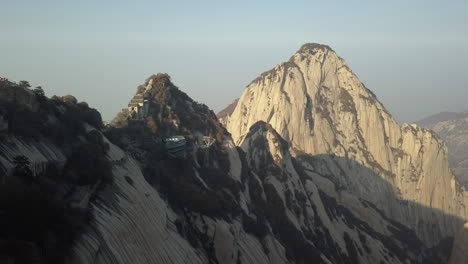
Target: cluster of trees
pixel 38 224
pixel 38 90
pixel 88 163
pixel 69 116
pixel 23 168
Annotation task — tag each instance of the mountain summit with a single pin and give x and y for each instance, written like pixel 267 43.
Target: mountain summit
pixel 318 105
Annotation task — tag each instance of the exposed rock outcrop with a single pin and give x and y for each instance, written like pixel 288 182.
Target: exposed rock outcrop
pixel 314 219
pixel 318 105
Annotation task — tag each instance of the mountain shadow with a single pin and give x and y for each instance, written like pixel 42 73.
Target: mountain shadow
pixel 336 211
pixel 396 230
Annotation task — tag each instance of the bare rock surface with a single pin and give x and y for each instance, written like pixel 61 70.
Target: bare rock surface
pixel 318 105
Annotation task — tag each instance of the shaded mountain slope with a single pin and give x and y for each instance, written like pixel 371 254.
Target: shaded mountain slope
pixel 52 164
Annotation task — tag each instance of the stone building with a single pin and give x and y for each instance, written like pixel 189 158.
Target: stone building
pixel 138 106
pixel 136 103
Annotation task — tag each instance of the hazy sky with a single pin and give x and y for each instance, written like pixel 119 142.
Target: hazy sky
pixel 412 54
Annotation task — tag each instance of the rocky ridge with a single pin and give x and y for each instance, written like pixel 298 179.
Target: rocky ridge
pixel 224 114
pixel 453 129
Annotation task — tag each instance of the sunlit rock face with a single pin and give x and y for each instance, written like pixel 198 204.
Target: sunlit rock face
pixel 318 105
pixel 453 129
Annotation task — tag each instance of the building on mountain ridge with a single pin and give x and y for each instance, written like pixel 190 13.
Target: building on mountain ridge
pixel 139 106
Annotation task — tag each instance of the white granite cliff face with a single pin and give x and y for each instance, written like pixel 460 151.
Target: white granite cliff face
pixel 316 220
pixel 320 107
pixel 133 223
pixel 138 226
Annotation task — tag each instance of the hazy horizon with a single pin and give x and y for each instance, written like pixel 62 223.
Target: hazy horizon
pixel 413 56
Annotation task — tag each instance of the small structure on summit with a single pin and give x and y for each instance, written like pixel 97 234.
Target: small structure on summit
pixel 139 105
pixel 136 102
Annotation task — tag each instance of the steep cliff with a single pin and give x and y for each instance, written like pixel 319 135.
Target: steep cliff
pixel 318 105
pixel 224 114
pixel 314 219
pixel 453 129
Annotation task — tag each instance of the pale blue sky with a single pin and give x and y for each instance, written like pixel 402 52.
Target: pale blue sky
pixel 412 54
